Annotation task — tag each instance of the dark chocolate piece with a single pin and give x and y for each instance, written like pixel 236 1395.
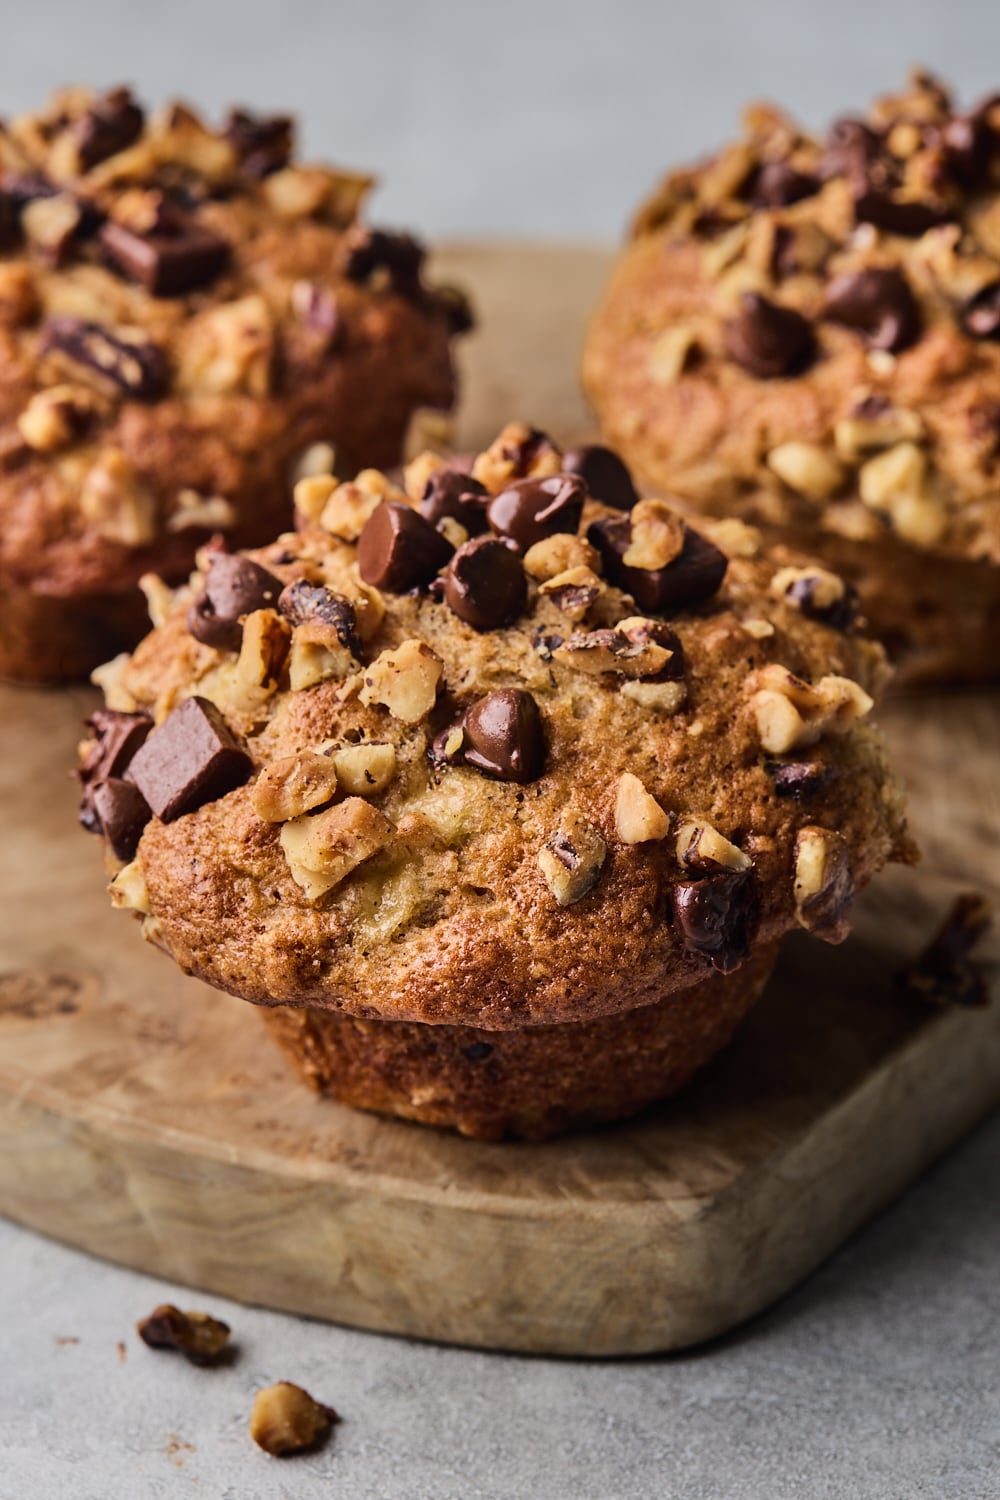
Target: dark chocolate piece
pixel 263 143
pixel 234 587
pixel 113 122
pixel 503 736
pixel 398 550
pixel 138 367
pixel 485 584
pixel 400 256
pixel 122 812
pixel 878 302
pixel 604 474
pixel 716 916
pixel 800 779
pixel 693 576
pixel 178 256
pixel 767 340
pixel 449 492
pixel 116 738
pixel 778 184
pixel 530 509
pixel 190 759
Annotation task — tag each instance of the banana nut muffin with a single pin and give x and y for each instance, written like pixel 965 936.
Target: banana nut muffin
pixel 184 313
pixel 502 785
pixel 806 332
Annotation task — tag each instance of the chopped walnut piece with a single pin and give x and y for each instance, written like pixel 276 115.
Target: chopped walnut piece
pixel 110 678
pixel 350 505
pixel 429 430
pixel 196 1335
pixel 874 425
pixel 657 535
pixel 759 628
pixel 286 1419
pixel 824 884
pixel 317 654
pixel 807 469
pixel 732 536
pixel 228 348
pixel 959 271
pixel 418 471
pixel 159 598
pixel 57 416
pixel 817 591
pixel 212 512
pixel 323 848
pixel 128 889
pixel 560 553
pixel 311 493
pixel 294 785
pixel 19 302
pixel 319 459
pixel 520 452
pixel 263 650
pixel 639 818
pixel 120 506
pixel 658 697
pixel 573 592
pixel 896 482
pixel 791 713
pixel 368 605
pixel 366 769
pixel 572 859
pixel 635 647
pixel 453 531
pixel 405 681
pixel 702 847
pixel 669 354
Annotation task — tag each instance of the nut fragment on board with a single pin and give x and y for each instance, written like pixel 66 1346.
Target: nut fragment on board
pixel 199 1337
pixel 286 1419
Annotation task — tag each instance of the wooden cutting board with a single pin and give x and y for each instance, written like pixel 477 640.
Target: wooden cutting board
pixel 147 1119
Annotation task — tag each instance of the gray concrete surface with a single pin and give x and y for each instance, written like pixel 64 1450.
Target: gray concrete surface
pixel 880 1379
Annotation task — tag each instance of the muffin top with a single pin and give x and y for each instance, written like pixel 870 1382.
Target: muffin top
pixel 810 328
pixel 497 745
pixel 179 306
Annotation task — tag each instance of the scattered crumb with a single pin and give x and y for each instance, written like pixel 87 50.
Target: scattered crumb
pixel 69 1338
pixel 945 973
pixel 286 1419
pixel 122 1352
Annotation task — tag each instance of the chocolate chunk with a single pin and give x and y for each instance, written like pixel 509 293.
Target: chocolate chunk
pixel 969 143
pixel 503 736
pixel 116 738
pixel 191 759
pixel 877 302
pixel 604 474
pixel 945 972
pixel 902 216
pixel 400 256
pixel 799 779
pixel 122 812
pixel 263 143
pixel 857 152
pixel 398 550
pixel 778 184
pixel 478 1051
pixel 531 509
pixel 113 122
pixel 177 256
pixel 235 587
pixel 694 575
pixel 485 584
pixel 138 367
pixel 768 340
pixel 449 492
pixel 717 916
pixel 840 615
pixel 981 318
pixel 302 601
pixel 852 150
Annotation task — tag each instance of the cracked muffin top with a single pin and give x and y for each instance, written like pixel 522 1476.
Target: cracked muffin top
pixel 183 313
pixel 808 330
pixel 498 744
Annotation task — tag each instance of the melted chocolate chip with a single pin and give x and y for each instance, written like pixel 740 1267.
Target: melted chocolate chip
pixel 191 759
pixel 768 340
pixel 716 916
pixel 530 509
pixel 604 474
pixel 981 318
pixel 302 601
pixel 877 302
pixel 450 492
pixel 778 184
pixel 176 256
pixel 398 550
pixel 503 736
pixel 263 143
pixel 122 813
pixel 400 256
pixel 234 587
pixel 799 779
pixel 693 576
pixel 116 738
pixel 113 122
pixel 485 584
pixel 138 367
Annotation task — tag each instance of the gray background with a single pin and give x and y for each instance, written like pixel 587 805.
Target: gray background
pixel 880 1377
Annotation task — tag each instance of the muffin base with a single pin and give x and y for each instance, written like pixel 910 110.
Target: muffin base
pixel 529 1084
pixel 48 639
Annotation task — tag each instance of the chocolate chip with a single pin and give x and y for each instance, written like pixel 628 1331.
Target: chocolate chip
pixel 485 584
pixel 400 256
pixel 694 575
pixel 138 367
pixel 981 317
pixel 478 1051
pixel 449 492
pixel 177 256
pixel 116 738
pixel 398 550
pixel 799 779
pixel 123 813
pixel 859 154
pixel 768 340
pixel 839 615
pixel 191 759
pixel 263 143
pixel 604 474
pixel 503 736
pixel 716 916
pixel 112 122
pixel 531 509
pixel 234 587
pixel 877 302
pixel 895 215
pixel 778 184
pixel 302 601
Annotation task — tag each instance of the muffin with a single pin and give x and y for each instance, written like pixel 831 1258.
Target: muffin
pixel 806 333
pixel 498 787
pixel 185 315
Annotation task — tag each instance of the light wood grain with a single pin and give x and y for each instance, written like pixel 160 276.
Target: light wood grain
pixel 147 1119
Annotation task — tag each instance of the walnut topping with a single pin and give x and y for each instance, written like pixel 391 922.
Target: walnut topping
pixel 758 627
pixel 229 348
pixel 807 469
pixel 57 416
pixel 49 226
pixel 874 425
pixel 405 681
pixel 791 713
pixel 365 770
pixel 657 535
pixel 323 848
pixel 263 650
pixel 368 605
pixel 669 354
pixel 197 1335
pixel 520 452
pixel 824 885
pixel 311 493
pixel 319 459
pixel 896 482
pixel 318 654
pixel 702 847
pixel 285 1418
pixel 113 497
pixel 350 505
pixel 212 512
pixel 732 536
pixel 128 889
pixel 816 591
pixel 658 697
pixel 453 531
pixel 573 592
pixel 639 818
pixel 159 598
pixel 430 430
pixel 635 647
pixel 294 785
pixel 560 553
pixel 418 471
pixel 959 271
pixel 572 859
